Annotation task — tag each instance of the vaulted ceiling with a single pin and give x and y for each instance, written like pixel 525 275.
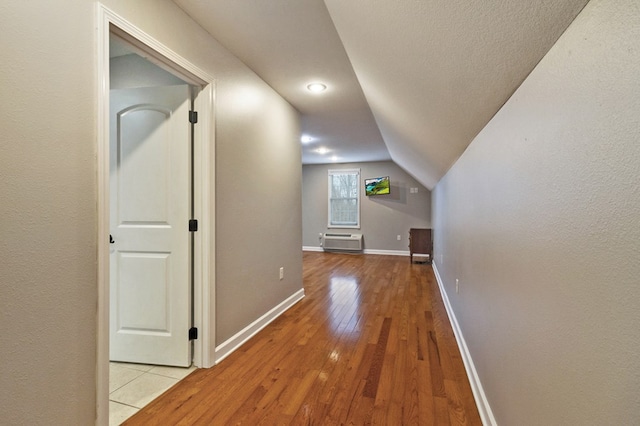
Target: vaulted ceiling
pixel 409 80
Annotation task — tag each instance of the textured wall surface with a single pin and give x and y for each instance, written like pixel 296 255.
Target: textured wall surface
pixel 258 203
pixel 540 222
pixel 382 217
pixel 48 290
pixel 48 217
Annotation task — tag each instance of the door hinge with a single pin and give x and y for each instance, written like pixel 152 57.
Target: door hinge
pixel 193 333
pixel 193 225
pixel 193 117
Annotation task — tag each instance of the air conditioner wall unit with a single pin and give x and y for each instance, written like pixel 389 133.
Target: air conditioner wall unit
pixel 342 242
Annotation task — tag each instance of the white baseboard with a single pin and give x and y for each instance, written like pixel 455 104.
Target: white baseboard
pixel 486 415
pixel 387 252
pixel 226 348
pixel 366 251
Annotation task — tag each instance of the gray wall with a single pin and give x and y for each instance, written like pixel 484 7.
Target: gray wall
pixel 48 217
pixel 48 286
pixel 131 70
pixel 540 221
pixel 258 203
pixel 382 217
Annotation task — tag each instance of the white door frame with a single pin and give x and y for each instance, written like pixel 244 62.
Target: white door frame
pixel 204 275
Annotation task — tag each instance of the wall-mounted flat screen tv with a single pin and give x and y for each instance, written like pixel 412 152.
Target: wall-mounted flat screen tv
pixel 377 186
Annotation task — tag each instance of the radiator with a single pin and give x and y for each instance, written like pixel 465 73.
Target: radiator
pixel 347 242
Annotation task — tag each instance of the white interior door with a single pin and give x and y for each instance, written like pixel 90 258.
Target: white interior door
pixel 149 215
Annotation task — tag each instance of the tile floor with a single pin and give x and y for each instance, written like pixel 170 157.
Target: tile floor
pixel 132 386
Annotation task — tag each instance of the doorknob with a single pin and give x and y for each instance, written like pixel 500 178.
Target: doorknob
pixel 111 240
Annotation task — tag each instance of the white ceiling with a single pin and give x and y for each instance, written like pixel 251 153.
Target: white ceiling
pixel 411 80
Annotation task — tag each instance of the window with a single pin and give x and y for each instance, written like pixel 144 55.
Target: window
pixel 344 198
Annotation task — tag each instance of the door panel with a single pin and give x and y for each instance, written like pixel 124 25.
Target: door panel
pixel 144 155
pixel 149 269
pixel 143 276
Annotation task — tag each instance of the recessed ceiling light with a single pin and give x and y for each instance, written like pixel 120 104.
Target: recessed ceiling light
pixel 322 150
pixel 317 87
pixel 306 139
pixel 334 158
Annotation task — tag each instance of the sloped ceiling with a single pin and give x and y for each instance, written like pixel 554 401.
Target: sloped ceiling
pixel 414 81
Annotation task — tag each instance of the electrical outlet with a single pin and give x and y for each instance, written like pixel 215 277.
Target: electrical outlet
pixel 282 272
pixel 399 237
pixel 457 285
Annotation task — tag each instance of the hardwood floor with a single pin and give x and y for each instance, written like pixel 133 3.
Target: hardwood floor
pixel 369 344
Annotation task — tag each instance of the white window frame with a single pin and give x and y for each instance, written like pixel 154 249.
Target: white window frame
pixel 343 172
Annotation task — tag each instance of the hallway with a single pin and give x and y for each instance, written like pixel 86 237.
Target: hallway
pixel 370 343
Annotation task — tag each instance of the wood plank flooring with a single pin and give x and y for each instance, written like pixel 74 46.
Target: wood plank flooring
pixel 369 344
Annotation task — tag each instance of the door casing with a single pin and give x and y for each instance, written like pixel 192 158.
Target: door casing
pixel 108 22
